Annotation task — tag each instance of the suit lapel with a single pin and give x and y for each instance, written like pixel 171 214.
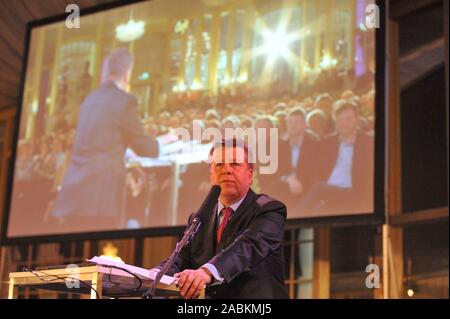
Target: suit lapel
pixel 210 242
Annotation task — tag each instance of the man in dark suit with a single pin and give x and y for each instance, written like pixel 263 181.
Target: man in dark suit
pixel 93 190
pixel 273 183
pixel 238 252
pixel 297 159
pixel 346 168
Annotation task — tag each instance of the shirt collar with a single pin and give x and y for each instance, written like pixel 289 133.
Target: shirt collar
pixel 300 142
pixel 117 83
pixel 351 142
pixel 233 206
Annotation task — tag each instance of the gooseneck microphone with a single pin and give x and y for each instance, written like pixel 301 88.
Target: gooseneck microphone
pixel 200 216
pixel 208 204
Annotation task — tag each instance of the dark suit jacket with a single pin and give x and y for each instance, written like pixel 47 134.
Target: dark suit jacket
pixel 362 166
pixel 250 255
pixel 306 170
pixel 94 184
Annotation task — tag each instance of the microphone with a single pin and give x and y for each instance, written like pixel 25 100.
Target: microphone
pixel 200 216
pixel 208 204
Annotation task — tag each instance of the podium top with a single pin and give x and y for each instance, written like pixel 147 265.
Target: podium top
pixel 106 281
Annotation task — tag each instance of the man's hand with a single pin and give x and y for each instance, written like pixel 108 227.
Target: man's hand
pixel 191 282
pixel 295 186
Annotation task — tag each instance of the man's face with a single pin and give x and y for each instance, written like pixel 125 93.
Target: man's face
pixel 325 106
pixel 318 125
pixel 229 170
pixel 295 125
pixel 346 122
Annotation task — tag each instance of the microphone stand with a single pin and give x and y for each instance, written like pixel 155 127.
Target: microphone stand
pixel 189 233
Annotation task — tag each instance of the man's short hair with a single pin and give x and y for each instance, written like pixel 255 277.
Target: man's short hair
pixel 315 113
pixel 235 143
pixel 298 111
pixel 323 97
pixel 272 120
pixel 233 119
pixel 212 114
pixel 117 64
pixel 342 105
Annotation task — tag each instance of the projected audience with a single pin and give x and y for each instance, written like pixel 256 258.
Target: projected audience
pixel 311 168
pixel 317 122
pixel 345 182
pixel 297 157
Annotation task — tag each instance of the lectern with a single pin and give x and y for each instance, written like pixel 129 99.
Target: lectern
pixel 98 281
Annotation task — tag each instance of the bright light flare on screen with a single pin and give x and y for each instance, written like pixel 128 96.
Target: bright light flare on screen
pixel 327 61
pixel 180 87
pixel 276 44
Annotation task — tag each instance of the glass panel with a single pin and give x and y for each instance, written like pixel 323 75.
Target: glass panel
pixel 426 261
pixel 306 261
pixel 304 291
pixel 306 234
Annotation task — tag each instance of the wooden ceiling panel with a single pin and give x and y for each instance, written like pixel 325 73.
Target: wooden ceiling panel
pixel 14 16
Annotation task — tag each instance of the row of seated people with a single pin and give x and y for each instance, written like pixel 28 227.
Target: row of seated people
pixel 315 176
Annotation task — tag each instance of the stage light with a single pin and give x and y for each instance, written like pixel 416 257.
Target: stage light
pixel 180 87
pixel 144 76
pixel 34 107
pixel 276 44
pixel 306 67
pixel 196 86
pixel 327 61
pixel 411 286
pixel 111 252
pixel 226 80
pixel 181 26
pixel 243 78
pixel 131 31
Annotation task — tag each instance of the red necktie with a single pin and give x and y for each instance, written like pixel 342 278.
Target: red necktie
pixel 226 212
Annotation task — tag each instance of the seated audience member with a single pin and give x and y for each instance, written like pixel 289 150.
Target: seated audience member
pixel 323 102
pixel 296 159
pixel 317 122
pixel 281 120
pixel 346 168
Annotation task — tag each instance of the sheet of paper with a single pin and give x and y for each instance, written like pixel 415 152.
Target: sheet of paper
pixel 146 273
